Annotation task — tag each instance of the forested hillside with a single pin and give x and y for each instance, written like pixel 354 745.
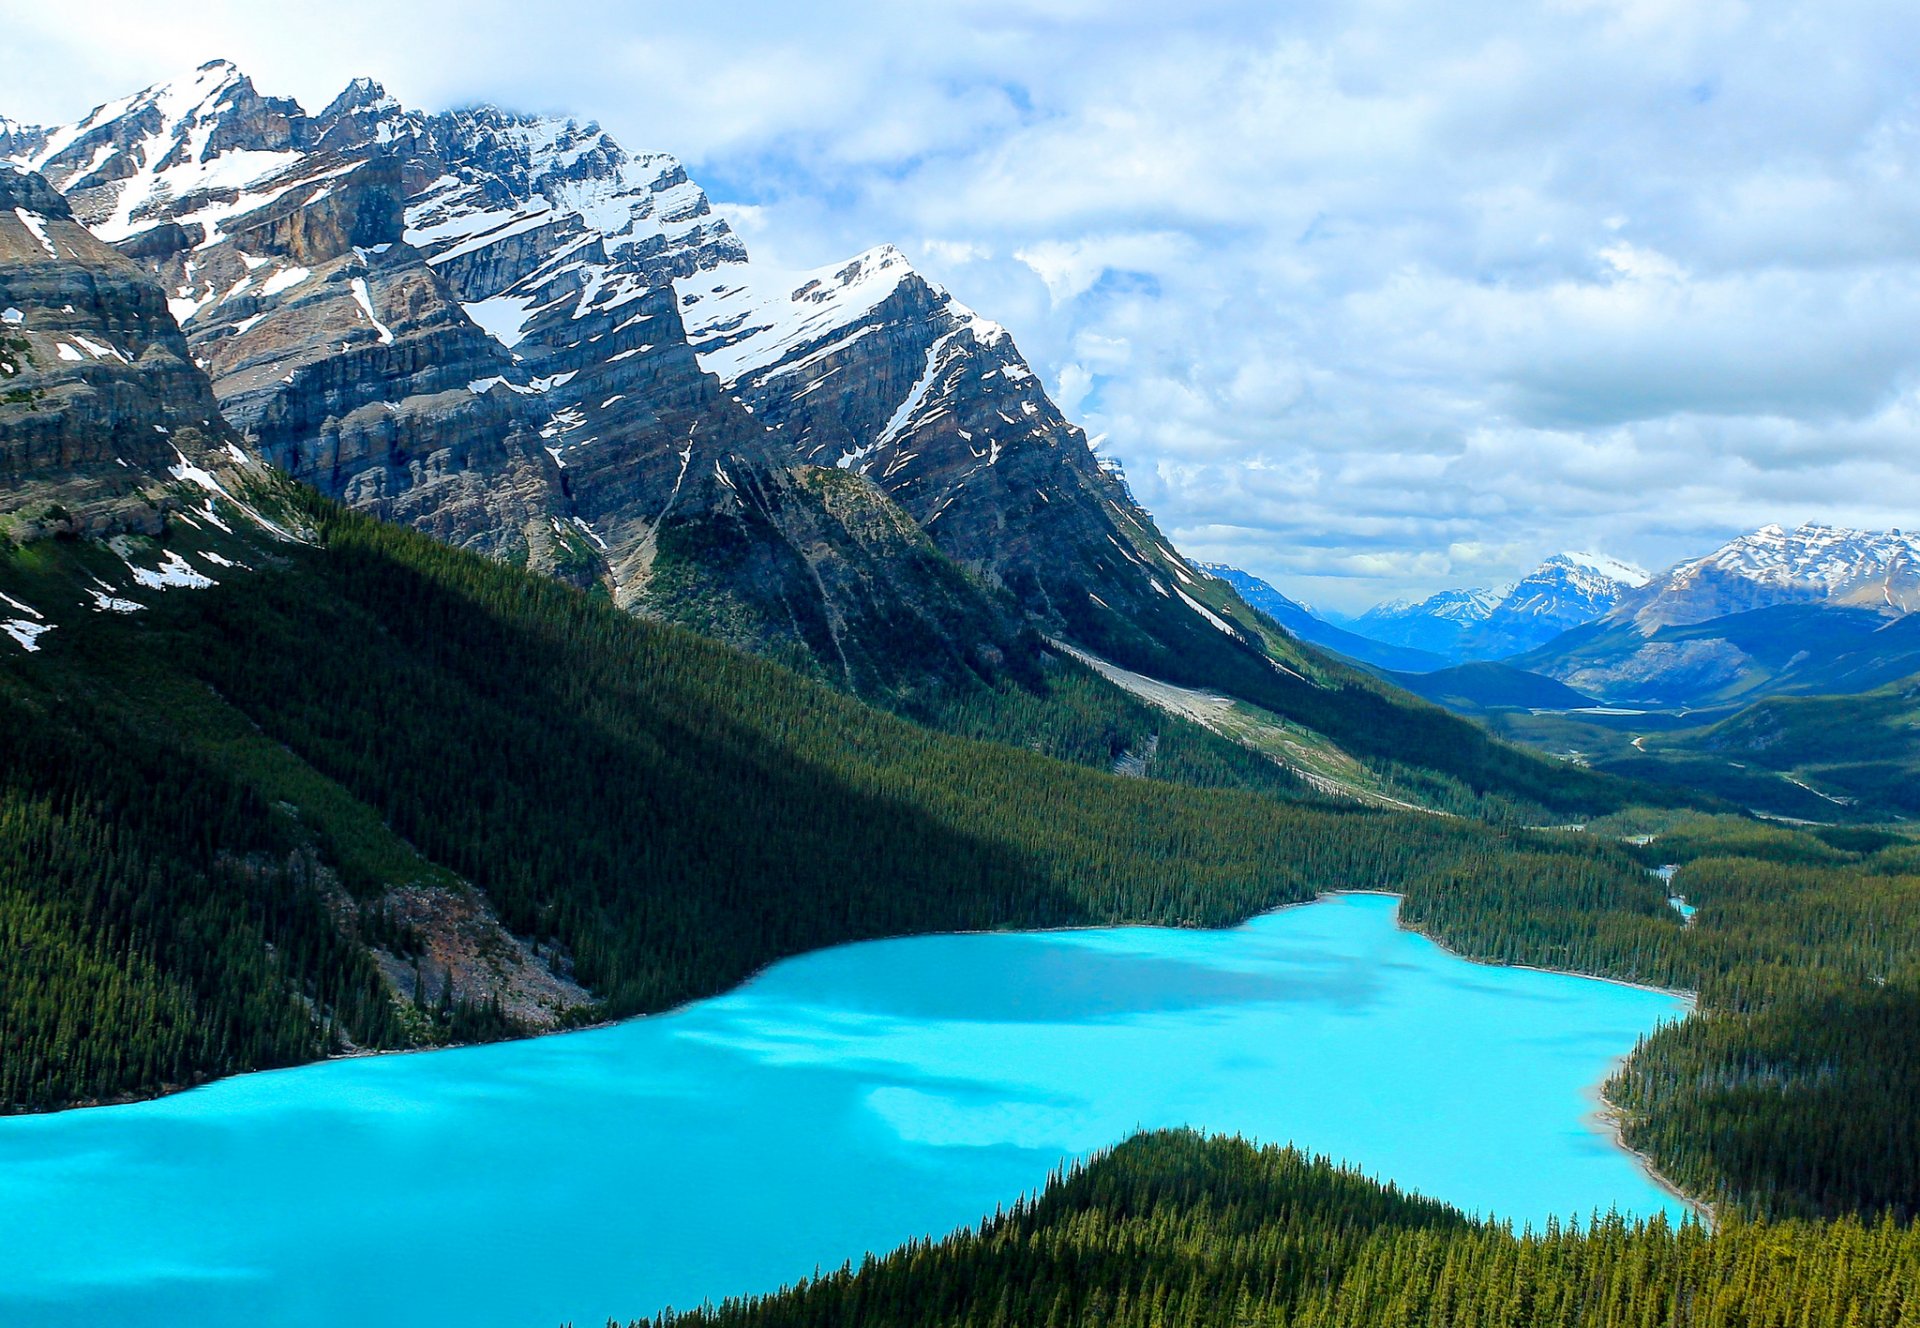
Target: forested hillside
pixel 220 807
pixel 220 801
pixel 1171 1230
pixel 1793 1090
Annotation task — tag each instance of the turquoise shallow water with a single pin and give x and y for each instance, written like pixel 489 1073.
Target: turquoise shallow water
pixel 844 1101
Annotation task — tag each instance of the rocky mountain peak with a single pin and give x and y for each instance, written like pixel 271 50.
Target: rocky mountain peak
pixel 364 114
pixel 1565 591
pixel 30 190
pixel 179 151
pixel 362 94
pixel 19 140
pixel 1464 605
pixel 1596 567
pixel 1813 562
pixel 522 337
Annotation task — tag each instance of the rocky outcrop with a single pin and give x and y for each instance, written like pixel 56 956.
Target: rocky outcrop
pixel 466 957
pixel 1660 669
pixel 100 404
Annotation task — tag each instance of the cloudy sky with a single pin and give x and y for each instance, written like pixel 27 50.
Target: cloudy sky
pixel 1371 298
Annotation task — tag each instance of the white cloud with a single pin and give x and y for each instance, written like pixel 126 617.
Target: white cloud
pixel 1370 297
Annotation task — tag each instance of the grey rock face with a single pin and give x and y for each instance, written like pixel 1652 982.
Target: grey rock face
pixel 1678 668
pixel 477 322
pixel 18 140
pixel 869 367
pixel 99 400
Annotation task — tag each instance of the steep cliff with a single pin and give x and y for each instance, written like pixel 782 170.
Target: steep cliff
pixel 101 409
pixel 466 322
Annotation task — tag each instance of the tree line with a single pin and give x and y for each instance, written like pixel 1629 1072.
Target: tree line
pixel 1174 1230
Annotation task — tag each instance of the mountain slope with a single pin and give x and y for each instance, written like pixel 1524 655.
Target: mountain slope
pixel 466 322
pixel 1490 685
pixel 1792 648
pixel 869 367
pixel 1303 623
pixel 1847 757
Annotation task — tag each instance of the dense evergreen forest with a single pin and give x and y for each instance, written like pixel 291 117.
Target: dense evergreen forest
pixel 1171 1230
pixel 206 806
pixel 212 797
pixel 1795 1089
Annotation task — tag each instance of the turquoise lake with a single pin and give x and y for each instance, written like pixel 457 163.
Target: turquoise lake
pixel 840 1102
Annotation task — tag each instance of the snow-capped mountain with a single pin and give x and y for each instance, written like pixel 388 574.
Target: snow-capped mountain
pixel 518 335
pixel 1441 624
pixel 869 367
pixel 1869 569
pixel 1565 591
pixel 1818 608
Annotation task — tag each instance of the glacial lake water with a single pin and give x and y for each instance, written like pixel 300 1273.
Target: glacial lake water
pixel 844 1101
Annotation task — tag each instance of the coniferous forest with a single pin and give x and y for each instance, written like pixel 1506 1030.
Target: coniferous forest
pixel 275 752
pixel 1171 1230
pixel 202 808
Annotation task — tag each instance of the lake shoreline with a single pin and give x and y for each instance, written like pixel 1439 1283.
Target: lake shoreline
pixel 896 1093
pixel 363 1053
pixel 1609 1120
pixel 1603 1116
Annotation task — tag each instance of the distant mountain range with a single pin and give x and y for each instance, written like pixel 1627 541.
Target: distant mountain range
pixel 1815 609
pixel 1833 566
pixel 1565 591
pixel 1455 626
